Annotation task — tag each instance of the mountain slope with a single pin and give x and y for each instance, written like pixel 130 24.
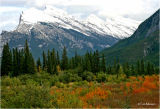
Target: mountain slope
pixel 54 28
pixel 144 43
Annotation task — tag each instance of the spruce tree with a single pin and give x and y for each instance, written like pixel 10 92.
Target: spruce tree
pixel 15 62
pixel 21 61
pixel 138 69
pixel 64 63
pixel 148 72
pixel 57 59
pixel 87 63
pixel 142 71
pixel 39 65
pixel 103 64
pixel 96 62
pixel 53 61
pixel 44 61
pixel 49 63
pixel 6 63
pixel 29 65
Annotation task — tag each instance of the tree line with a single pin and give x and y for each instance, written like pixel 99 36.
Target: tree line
pixel 15 62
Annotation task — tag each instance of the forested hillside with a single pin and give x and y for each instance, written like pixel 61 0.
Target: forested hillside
pixel 143 44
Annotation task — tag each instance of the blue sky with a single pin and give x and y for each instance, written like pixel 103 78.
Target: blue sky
pixel 134 9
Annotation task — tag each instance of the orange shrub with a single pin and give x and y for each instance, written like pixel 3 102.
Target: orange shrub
pixel 132 78
pixel 149 85
pixel 140 90
pixel 140 78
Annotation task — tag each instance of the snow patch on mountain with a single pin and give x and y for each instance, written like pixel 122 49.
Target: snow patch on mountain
pixel 116 27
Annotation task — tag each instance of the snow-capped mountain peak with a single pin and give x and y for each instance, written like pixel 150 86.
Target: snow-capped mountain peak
pixel 119 28
pixel 93 18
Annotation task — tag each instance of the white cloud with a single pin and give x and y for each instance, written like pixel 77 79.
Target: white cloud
pixel 134 9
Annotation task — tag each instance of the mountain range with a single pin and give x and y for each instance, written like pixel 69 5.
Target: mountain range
pixel 54 28
pixel 143 44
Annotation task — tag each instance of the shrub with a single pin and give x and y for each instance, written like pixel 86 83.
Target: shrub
pixel 7 81
pixel 67 77
pixel 89 76
pixel 101 77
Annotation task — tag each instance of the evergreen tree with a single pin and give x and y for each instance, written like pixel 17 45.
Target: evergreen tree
pixel 148 72
pixel 57 59
pixel 6 63
pixel 126 69
pixel 87 63
pixel 142 71
pixel 39 65
pixel 49 63
pixel 96 62
pixel 64 63
pixel 117 69
pixel 44 61
pixel 103 64
pixel 153 69
pixel 15 62
pixel 133 71
pixel 29 65
pixel 138 67
pixel 21 60
pixel 109 70
pixel 53 61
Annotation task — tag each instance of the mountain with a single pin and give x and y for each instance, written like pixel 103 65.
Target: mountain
pixel 143 44
pixel 54 28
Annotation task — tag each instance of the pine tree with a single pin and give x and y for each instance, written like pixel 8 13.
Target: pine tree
pixel 53 61
pixel 64 63
pixel 117 69
pixel 138 70
pixel 39 65
pixel 57 59
pixel 96 62
pixel 87 63
pixel 29 65
pixel 126 69
pixel 44 61
pixel 49 63
pixel 142 71
pixel 148 72
pixel 6 63
pixel 103 64
pixel 21 61
pixel 15 62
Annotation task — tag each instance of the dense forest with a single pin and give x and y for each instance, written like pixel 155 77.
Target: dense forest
pixel 16 62
pixel 81 81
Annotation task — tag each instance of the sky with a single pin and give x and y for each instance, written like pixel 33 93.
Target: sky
pixel 139 10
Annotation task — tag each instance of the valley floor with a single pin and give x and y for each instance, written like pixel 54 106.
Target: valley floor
pixel 44 90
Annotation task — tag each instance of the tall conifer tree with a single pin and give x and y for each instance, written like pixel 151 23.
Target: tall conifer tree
pixel 6 64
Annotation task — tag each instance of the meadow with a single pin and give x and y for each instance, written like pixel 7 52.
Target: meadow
pixel 42 89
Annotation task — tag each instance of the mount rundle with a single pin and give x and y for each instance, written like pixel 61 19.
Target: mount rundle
pixel 54 28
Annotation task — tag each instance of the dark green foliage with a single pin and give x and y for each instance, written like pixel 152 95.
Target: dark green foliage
pixel 101 77
pixel 64 62
pixel 143 44
pixel 49 63
pixel 39 65
pixel 142 67
pixel 6 65
pixel 44 61
pixel 57 59
pixel 29 65
pixel 103 64
pixel 89 76
pixel 85 67
pixel 69 77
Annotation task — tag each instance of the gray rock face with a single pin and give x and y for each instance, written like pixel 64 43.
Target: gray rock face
pixel 54 28
pixel 44 36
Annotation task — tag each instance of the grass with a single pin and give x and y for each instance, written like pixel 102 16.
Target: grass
pixel 45 91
